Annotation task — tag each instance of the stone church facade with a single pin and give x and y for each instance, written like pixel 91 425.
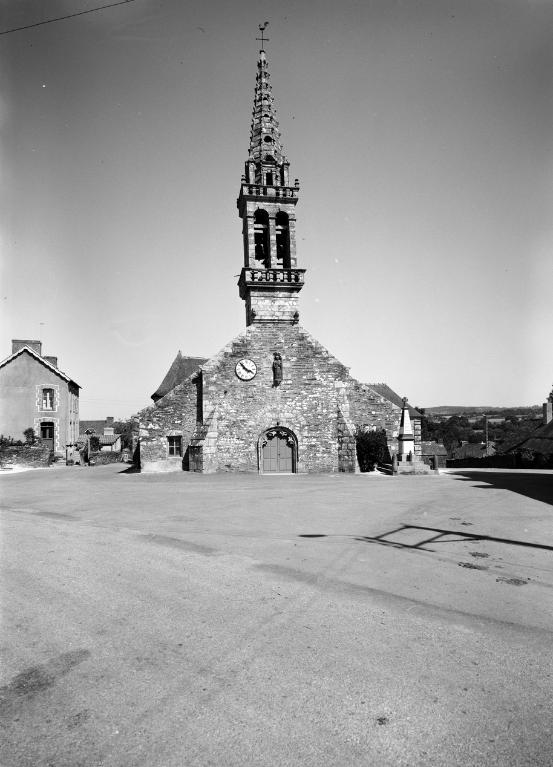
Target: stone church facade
pixel 273 400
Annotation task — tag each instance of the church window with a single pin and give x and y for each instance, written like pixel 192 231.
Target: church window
pixel 269 178
pixel 261 236
pixel 47 399
pixel 268 140
pixel 175 445
pixel 282 239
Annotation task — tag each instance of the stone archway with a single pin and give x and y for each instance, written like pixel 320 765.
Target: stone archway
pixel 278 451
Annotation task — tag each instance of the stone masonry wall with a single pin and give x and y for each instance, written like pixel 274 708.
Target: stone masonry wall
pixel 172 415
pixel 369 409
pixel 272 305
pixel 317 400
pixel 310 401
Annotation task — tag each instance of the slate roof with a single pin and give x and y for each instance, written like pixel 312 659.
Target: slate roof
pixel 103 439
pixel 42 360
pixel 108 439
pixel 540 441
pixel 471 450
pixel 385 391
pixel 96 426
pixel 180 370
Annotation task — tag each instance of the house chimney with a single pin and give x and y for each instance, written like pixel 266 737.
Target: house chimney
pixel 18 344
pixel 109 430
pixel 52 360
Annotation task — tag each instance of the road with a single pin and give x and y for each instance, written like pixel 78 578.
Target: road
pixel 187 620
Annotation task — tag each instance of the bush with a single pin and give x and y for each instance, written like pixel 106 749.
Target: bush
pixel 372 448
pixel 9 441
pixel 30 436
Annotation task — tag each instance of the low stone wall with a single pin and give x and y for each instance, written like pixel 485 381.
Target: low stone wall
pixel 28 456
pixel 104 457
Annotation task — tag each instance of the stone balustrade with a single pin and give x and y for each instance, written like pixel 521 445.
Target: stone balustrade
pixel 282 276
pixel 260 190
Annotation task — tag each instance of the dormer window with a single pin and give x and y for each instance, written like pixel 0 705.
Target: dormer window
pixel 47 399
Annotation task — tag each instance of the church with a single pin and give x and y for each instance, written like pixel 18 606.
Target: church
pixel 273 400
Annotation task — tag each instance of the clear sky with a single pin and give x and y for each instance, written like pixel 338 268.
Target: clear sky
pixel 421 132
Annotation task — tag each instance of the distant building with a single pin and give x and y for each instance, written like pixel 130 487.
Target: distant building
pixel 430 449
pixel 35 393
pixel 540 442
pixel 104 431
pixel 473 450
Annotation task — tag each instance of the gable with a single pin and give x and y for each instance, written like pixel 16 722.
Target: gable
pixel 26 350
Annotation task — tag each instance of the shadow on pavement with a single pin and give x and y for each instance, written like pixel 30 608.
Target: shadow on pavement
pixel 536 486
pixel 418 537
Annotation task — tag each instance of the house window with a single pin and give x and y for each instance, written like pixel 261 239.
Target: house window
pixel 47 399
pixel 175 445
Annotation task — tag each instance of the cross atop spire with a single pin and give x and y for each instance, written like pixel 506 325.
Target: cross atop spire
pixel 262 28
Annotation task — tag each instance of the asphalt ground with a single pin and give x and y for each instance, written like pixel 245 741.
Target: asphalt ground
pixel 181 620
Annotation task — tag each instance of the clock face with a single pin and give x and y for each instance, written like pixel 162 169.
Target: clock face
pixel 246 369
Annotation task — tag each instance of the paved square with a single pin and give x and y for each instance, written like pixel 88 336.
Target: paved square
pixel 293 620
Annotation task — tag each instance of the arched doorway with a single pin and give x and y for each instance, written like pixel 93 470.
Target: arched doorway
pixel 278 451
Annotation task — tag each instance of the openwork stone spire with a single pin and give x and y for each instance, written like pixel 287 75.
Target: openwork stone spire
pixel 265 142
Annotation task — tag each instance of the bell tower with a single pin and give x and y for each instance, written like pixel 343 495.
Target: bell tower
pixel 270 280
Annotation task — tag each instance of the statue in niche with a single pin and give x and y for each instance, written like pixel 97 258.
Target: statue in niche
pixel 277 369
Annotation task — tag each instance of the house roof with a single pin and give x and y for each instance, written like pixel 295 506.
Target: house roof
pixel 103 439
pixel 470 450
pixel 180 370
pixel 96 426
pixel 432 448
pixel 108 439
pixel 385 391
pixel 540 441
pixel 53 368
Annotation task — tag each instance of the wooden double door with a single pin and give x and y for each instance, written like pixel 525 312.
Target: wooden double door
pixel 278 452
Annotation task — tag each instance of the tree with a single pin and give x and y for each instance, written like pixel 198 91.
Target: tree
pixel 125 429
pixel 372 448
pixel 30 436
